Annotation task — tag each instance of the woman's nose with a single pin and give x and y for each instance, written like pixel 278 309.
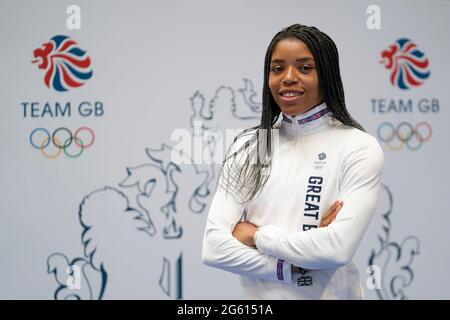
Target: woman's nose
pixel 290 76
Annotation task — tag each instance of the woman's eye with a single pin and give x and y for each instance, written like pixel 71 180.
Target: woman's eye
pixel 305 68
pixel 276 69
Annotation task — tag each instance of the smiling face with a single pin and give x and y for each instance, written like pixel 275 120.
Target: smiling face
pixel 293 78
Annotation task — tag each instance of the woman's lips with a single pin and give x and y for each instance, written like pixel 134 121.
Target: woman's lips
pixel 290 100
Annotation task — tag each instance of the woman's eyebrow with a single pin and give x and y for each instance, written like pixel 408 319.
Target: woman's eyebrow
pixel 298 60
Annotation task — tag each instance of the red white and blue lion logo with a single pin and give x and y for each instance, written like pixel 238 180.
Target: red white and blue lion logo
pixel 408 64
pixel 66 65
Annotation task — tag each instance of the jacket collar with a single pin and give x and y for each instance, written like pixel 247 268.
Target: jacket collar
pixel 306 122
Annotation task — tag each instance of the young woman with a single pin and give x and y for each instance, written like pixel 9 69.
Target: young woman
pixel 274 219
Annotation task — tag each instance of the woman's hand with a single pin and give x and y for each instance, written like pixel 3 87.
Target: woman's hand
pixel 245 232
pixel 330 215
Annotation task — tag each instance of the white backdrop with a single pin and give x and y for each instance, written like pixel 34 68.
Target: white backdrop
pixel 124 220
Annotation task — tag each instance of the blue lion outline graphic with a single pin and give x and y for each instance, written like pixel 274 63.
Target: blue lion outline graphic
pixel 149 200
pixel 393 258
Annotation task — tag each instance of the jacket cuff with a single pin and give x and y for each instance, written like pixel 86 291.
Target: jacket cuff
pixel 279 269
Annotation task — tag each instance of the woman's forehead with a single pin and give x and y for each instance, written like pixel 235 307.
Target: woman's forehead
pixel 291 46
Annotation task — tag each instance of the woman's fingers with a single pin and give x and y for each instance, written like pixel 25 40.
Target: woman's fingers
pixel 331 214
pixel 338 207
pixel 333 208
pixel 325 222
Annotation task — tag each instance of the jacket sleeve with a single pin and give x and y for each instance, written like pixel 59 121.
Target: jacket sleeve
pixel 335 245
pixel 223 251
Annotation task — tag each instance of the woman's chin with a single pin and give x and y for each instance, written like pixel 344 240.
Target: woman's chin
pixel 291 110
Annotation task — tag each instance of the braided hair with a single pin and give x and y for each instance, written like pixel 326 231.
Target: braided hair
pixel 249 178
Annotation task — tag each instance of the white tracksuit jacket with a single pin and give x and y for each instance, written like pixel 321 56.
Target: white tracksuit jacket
pixel 318 162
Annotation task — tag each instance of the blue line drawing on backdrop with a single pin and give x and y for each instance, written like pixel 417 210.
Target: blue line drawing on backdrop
pixel 224 101
pixel 249 94
pixel 164 280
pixel 211 115
pixel 394 258
pixel 91 280
pixel 152 200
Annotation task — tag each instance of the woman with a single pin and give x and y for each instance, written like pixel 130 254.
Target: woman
pixel 268 220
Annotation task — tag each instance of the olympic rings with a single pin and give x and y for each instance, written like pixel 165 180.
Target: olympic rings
pixel 404 134
pixel 61 134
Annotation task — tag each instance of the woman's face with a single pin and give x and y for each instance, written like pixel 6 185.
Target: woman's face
pixel 293 78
